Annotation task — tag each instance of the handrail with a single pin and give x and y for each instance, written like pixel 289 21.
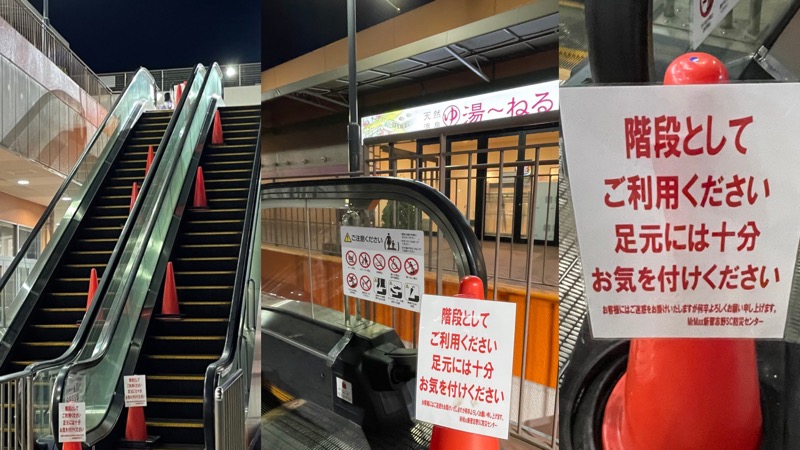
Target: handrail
pixel 60 192
pixel 238 303
pixel 82 334
pixel 434 202
pixel 102 346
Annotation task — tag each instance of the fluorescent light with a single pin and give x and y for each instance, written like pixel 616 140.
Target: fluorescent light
pixel 230 71
pixel 66 199
pixel 23 182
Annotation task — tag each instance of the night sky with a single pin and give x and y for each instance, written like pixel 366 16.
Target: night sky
pixel 292 28
pixel 112 36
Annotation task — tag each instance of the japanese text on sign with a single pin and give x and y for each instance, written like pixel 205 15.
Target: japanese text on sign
pixel 383 265
pixel 71 422
pixel 705 15
pixel 464 364
pixel 681 207
pixel 135 390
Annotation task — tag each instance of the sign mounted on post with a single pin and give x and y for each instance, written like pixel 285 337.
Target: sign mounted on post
pixel 135 390
pixel 464 365
pixel 683 205
pixel 705 16
pixel 71 422
pixel 383 265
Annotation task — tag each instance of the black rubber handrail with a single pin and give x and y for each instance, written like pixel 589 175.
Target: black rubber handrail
pixel 235 324
pixel 434 202
pixel 60 192
pixel 83 331
pixel 113 322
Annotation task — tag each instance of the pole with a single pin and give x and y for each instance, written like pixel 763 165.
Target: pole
pixel 353 129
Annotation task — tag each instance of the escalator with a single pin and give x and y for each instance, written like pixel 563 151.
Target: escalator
pixel 53 322
pixel 205 255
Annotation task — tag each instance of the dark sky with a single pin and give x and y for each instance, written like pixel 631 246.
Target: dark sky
pixel 116 35
pixel 292 28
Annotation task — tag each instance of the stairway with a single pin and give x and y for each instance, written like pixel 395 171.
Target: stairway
pixel 53 323
pixel 205 256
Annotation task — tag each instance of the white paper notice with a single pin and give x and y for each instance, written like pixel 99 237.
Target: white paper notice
pixel 344 390
pixel 71 422
pixel 135 391
pixel 705 16
pixel 384 265
pixel 684 201
pixel 464 365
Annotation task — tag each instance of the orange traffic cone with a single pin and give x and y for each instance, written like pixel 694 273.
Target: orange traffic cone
pixel 92 288
pixel 178 93
pixel 200 200
pixel 71 446
pixel 216 134
pixel 169 304
pixel 149 159
pixel 135 428
pixel 134 194
pixel 687 393
pixel 444 438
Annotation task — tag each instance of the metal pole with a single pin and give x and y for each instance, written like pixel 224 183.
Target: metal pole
pixel 353 129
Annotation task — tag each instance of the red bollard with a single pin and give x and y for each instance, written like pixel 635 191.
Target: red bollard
pixel 687 393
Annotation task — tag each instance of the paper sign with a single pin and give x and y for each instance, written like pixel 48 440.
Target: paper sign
pixel 464 365
pixel 684 204
pixel 75 389
pixel 706 15
pixel 344 390
pixel 135 390
pixel 71 422
pixel 383 265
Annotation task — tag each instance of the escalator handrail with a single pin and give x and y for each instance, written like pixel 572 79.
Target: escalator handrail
pixel 436 202
pixel 83 330
pixel 238 300
pixel 103 345
pixel 61 190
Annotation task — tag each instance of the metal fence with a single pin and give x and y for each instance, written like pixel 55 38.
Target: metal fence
pixel 30 24
pixel 248 74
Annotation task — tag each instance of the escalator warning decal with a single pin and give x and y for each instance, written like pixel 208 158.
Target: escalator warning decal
pixel 383 265
pixel 344 390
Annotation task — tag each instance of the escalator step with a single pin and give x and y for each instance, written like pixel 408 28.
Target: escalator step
pixel 184 431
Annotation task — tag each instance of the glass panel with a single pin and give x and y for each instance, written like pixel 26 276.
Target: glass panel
pixel 83 175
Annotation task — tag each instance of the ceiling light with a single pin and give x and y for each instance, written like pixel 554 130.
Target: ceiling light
pixel 66 199
pixel 230 71
pixel 23 182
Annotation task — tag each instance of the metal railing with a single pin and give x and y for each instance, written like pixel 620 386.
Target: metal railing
pixel 16 415
pixel 30 24
pixel 248 74
pixel 229 408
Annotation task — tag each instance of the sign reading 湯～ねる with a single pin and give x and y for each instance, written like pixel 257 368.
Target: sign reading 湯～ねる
pixel 683 205
pixel 464 364
pixel 521 101
pixel 383 265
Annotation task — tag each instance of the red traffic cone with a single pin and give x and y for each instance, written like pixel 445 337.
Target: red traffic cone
pixel 444 438
pixel 71 446
pixel 200 200
pixel 149 159
pixel 687 393
pixel 135 428
pixel 169 304
pixel 92 288
pixel 178 93
pixel 134 194
pixel 216 133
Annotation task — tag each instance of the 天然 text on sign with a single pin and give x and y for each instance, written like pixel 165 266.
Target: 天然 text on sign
pixel 466 350
pixel 684 201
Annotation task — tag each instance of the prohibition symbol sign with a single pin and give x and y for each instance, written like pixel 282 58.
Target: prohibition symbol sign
pixel 366 283
pixel 394 264
pixel 350 257
pixel 379 261
pixel 411 266
pixel 352 280
pixel 364 260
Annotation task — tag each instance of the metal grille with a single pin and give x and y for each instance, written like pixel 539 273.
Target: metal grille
pixel 16 415
pixel 572 302
pixel 229 413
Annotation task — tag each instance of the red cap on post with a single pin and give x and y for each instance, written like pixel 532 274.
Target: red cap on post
pixel 687 393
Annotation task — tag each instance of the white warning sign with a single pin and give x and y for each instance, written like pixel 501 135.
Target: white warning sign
pixel 384 265
pixel 71 422
pixel 135 391
pixel 344 390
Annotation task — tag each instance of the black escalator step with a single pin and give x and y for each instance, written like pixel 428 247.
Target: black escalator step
pixel 206 309
pixel 237 162
pixel 225 171
pixel 172 384
pixel 225 180
pixel 189 326
pixel 56 331
pixel 189 345
pixel 249 138
pixel 168 363
pixel 235 189
pixel 173 431
pixel 226 154
pixel 175 407
pixel 213 146
pixel 46 349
